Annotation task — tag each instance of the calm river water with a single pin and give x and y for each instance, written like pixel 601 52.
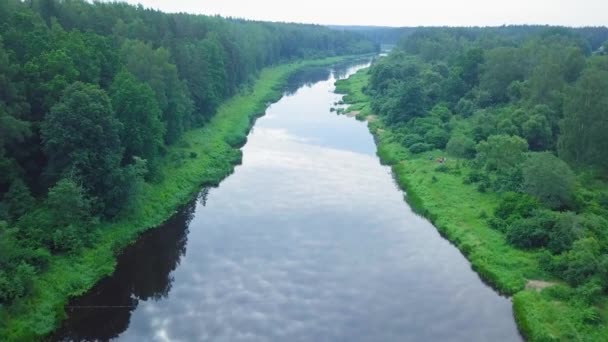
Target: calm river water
pixel 309 240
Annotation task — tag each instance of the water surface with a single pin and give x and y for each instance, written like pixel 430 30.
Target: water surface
pixel 309 240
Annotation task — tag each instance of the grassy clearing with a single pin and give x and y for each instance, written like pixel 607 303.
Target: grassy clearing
pixel 459 212
pixel 203 157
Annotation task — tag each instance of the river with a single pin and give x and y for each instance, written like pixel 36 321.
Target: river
pixel 310 239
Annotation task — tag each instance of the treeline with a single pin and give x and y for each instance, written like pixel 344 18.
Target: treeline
pixel 526 112
pixel 91 95
pixel 594 37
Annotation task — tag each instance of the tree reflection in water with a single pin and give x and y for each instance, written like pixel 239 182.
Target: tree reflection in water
pixel 143 273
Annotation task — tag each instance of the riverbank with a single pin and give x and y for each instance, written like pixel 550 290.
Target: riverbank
pixel 204 156
pixel 460 214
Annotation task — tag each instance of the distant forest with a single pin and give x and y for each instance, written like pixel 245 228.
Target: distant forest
pixel 91 94
pixel 594 36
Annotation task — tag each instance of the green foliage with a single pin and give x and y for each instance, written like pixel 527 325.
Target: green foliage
pixel 511 90
pixel 81 140
pixel 465 107
pixel 64 223
pixel 420 147
pixel 18 200
pixel 503 66
pixel 136 107
pixel 582 140
pixel 516 204
pixel 537 132
pixel 461 146
pixel 549 179
pixel 501 152
pixel 411 139
pixel 579 264
pixel 437 137
pixel 543 228
pixel 531 232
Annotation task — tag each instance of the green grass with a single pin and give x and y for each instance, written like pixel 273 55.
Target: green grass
pixel 354 96
pixel 458 210
pixel 216 152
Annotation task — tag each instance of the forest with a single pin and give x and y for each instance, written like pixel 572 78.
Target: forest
pixel 91 97
pixel 512 119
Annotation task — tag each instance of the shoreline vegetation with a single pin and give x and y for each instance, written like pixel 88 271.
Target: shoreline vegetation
pixel 203 157
pixel 437 190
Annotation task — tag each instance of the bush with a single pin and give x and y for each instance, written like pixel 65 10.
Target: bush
pixel 549 179
pixel 437 137
pixel 531 232
pixel 465 107
pixel 16 283
pixel 461 146
pixel 567 228
pixel 64 222
pixel 501 152
pixel 590 292
pixel 516 205
pixel 441 112
pixel 442 168
pixel 544 228
pixel 411 139
pixel 579 264
pixel 420 147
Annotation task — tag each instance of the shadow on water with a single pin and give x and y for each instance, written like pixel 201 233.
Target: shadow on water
pixel 306 77
pixel 143 273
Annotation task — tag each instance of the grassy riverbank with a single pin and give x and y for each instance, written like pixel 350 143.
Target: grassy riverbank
pixel 460 212
pixel 204 156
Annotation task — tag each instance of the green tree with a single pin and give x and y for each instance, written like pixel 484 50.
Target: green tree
pixel 437 137
pixel 549 179
pixel 48 76
pixel 582 140
pixel 537 132
pixel 18 199
pixel 461 146
pixel 70 211
pixel 154 67
pixel 503 65
pixel 501 152
pixel 81 140
pixel 136 107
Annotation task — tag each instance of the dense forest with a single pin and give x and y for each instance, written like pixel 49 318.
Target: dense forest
pixel 594 36
pixel 91 95
pixel 520 112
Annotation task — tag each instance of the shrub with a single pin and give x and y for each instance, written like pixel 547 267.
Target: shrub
pixel 531 232
pixel 411 139
pixel 16 283
pixel 442 168
pixel 567 228
pixel 516 205
pixel 544 228
pixel 580 263
pixel 465 107
pixel 549 179
pixel 420 147
pixel 461 146
pixel 437 137
pixel 501 152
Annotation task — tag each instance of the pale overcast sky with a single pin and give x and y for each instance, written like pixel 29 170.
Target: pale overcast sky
pixel 400 12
